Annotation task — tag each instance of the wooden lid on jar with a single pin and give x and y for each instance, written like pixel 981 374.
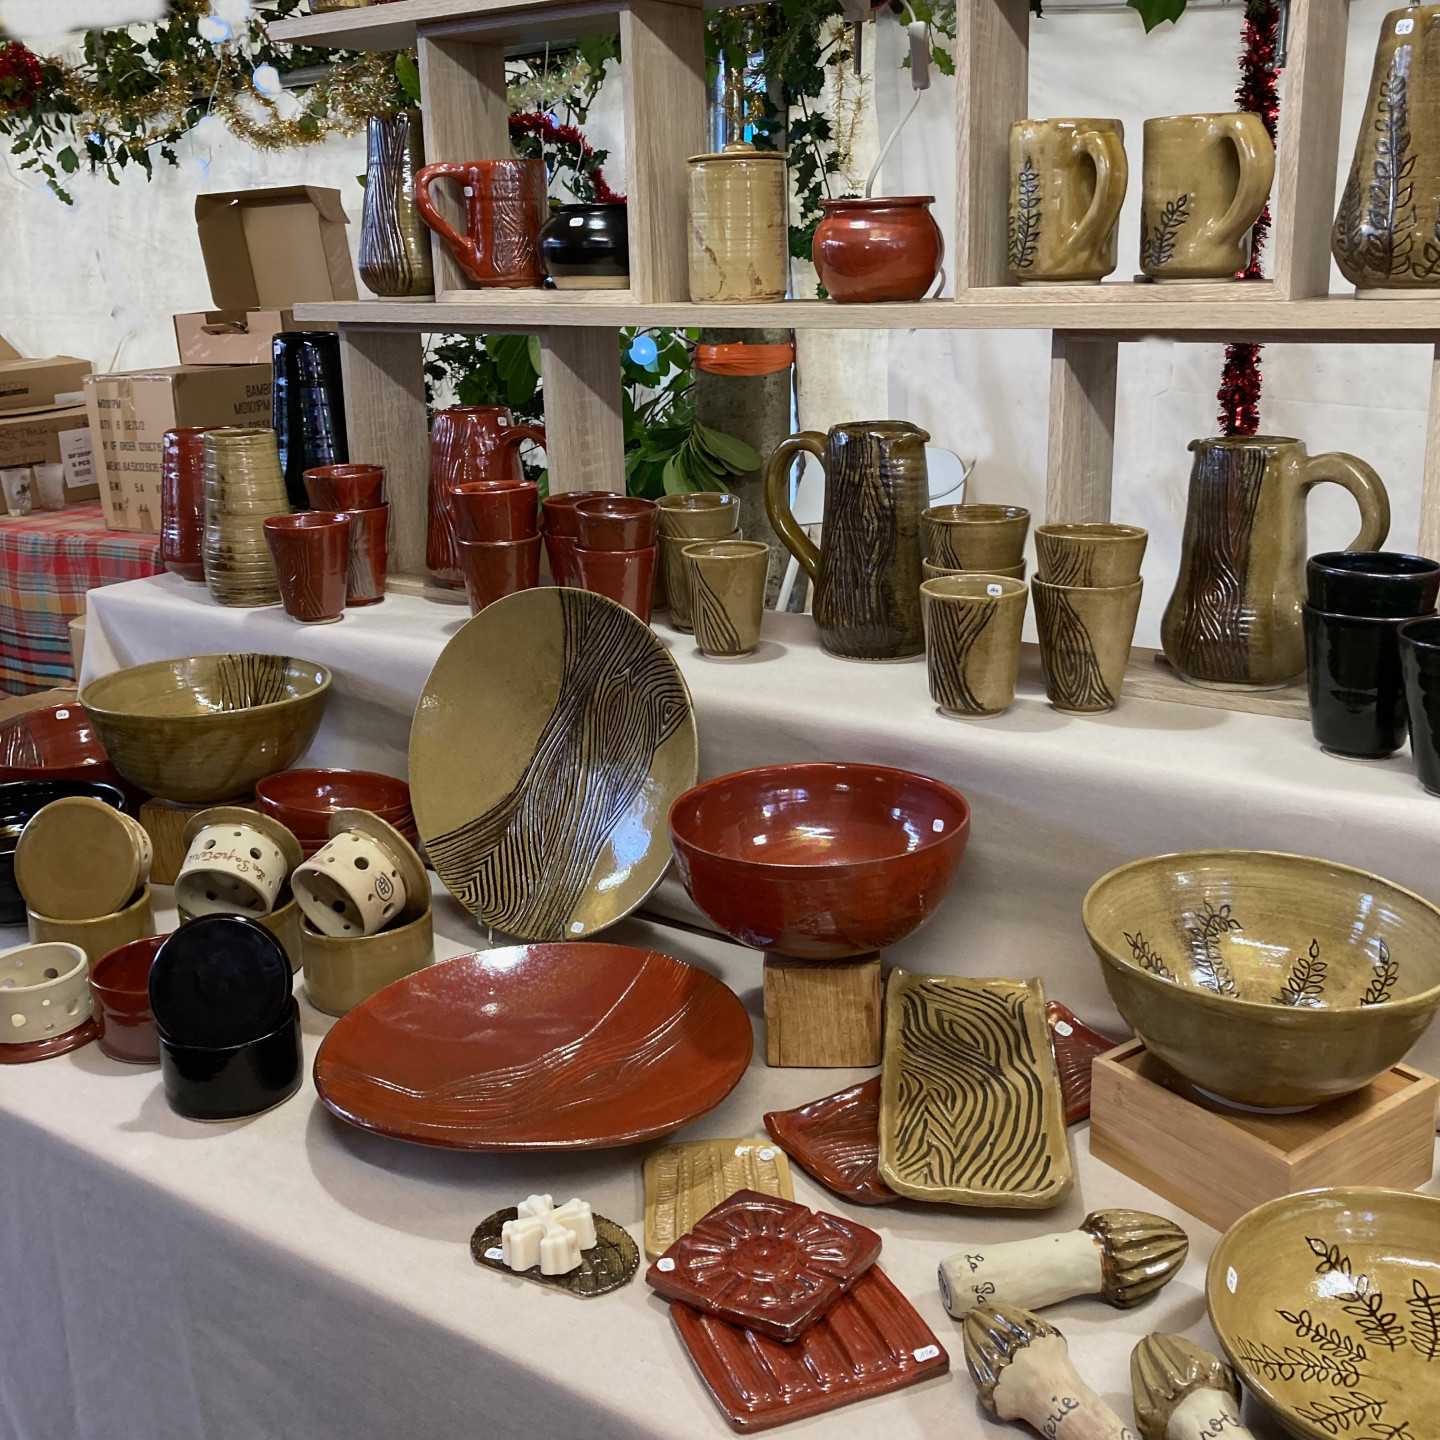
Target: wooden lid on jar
pixel 741 150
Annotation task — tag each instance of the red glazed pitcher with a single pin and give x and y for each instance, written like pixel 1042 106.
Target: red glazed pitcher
pixel 468 443
pixel 505 206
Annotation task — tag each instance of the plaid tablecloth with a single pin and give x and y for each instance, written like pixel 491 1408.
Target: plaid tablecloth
pixel 48 560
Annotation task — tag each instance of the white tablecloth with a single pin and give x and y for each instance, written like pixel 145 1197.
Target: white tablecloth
pixel 291 1278
pixel 1057 799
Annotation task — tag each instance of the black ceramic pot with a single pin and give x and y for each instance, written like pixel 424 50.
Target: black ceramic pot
pixel 1357 691
pixel 235 1080
pixel 19 800
pixel 587 247
pixel 308 407
pixel 1420 664
pixel 1381 583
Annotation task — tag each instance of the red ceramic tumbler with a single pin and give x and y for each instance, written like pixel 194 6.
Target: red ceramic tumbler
pixel 345 487
pixel 625 576
pixel 562 527
pixel 311 550
pixel 182 502
pixel 618 522
pixel 467 444
pixel 509 510
pixel 369 536
pixel 496 568
pixel 119 988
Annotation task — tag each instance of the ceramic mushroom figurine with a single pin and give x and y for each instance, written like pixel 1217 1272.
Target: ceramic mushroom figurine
pixel 1122 1255
pixel 1021 1367
pixel 1183 1392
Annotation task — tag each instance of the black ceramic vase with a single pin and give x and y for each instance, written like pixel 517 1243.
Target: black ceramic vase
pixel 309 407
pixel 587 247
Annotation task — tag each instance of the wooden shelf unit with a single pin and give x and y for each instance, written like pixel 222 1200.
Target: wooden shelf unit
pixel 462 45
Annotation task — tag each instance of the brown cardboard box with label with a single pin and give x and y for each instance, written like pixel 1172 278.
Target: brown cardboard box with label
pixel 265 252
pixel 59 435
pixel 34 384
pixel 130 413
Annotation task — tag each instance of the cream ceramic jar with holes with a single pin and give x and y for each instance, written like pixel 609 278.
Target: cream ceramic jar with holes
pixel 44 991
pixel 230 868
pixel 351 887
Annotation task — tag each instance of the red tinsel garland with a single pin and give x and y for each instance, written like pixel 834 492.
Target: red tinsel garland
pixel 539 125
pixel 21 76
pixel 1239 395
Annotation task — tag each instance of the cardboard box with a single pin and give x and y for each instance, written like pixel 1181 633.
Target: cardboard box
pixel 234 337
pixel 130 413
pixel 34 384
pixel 7 350
pixel 54 436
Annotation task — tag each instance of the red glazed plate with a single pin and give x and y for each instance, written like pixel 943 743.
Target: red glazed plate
pixel 57 742
pixel 1075 1045
pixel 837 1139
pixel 575 1046
pixel 871 1343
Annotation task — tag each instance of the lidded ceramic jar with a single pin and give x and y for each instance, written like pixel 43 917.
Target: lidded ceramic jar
pixel 587 246
pixel 739 225
pixel 887 248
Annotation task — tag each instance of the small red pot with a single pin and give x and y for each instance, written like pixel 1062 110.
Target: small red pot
pixel 346 487
pixel 884 249
pixel 311 551
pixel 625 576
pixel 507 511
pixel 496 568
pixel 119 988
pixel 182 501
pixel 623 522
pixel 369 556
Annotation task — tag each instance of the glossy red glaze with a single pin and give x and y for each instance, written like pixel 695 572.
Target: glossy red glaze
pixel 494 569
pixel 560 554
pixel 559 510
pixel 119 989
pixel 369 555
pixel 345 487
pixel 51 1045
pixel 304 800
pixel 505 206
pixel 468 443
pixel 508 510
pixel 57 742
pixel 819 861
pixel 182 501
pixel 616 522
pixel 311 550
pixel 1075 1045
pixel 888 248
pixel 624 576
pixel 766 1263
pixel 577 1046
pixel 837 1139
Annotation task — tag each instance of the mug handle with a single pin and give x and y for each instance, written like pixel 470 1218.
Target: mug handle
pixel 1256 153
pixel 441 170
pixel 777 500
pixel 1112 178
pixel 516 435
pixel 1363 483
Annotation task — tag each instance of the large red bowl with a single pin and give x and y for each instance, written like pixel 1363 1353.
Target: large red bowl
pixel 819 862
pixel 304 800
pixel 56 742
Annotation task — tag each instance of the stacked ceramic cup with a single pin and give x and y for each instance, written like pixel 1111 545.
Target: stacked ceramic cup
pixel 562 531
pixel 972 640
pixel 83 867
pixel 985 539
pixel 243 488
pixel 1087 596
pixel 311 551
pixel 684 519
pixel 615 550
pixel 1357 603
pixel 365 896
pixel 358 493
pixel 497 537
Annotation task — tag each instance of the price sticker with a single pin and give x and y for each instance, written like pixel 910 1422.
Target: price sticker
pixel 1064 1027
pixel 927 1352
pixel 1404 27
pixel 665 1263
pixel 494 1253
pixel 1231 1279
pixel 993 589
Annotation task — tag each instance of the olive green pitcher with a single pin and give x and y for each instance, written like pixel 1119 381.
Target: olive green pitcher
pixel 867 569
pixel 1234 620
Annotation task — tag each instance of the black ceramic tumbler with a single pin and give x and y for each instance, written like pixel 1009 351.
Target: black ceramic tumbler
pixel 308 407
pixel 1382 583
pixel 1420 663
pixel 1357 693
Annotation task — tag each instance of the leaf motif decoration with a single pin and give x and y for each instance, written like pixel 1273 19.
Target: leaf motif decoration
pixel 1305 986
pixel 1024 224
pixel 1157 246
pixel 1387 972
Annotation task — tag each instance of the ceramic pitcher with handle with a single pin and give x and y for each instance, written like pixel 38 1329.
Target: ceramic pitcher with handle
pixel 1234 621
pixel 866 570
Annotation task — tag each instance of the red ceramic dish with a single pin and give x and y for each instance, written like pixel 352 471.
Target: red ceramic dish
pixel 819 862
pixel 620 522
pixel 1075 1045
pixel 55 743
pixel 837 1139
pixel 119 987
pixel 575 1046
pixel 304 800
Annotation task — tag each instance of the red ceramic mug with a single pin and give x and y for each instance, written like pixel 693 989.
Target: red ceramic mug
pixel 625 576
pixel 509 510
pixel 505 206
pixel 618 522
pixel 496 568
pixel 369 557
pixel 182 501
pixel 119 989
pixel 468 443
pixel 311 550
pixel 887 248
pixel 345 487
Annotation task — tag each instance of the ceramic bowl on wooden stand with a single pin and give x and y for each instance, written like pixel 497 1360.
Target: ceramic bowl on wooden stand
pixel 44 1002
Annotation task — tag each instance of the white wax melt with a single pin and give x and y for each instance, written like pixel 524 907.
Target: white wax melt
pixel 534 1205
pixel 521 1242
pixel 576 1216
pixel 559 1251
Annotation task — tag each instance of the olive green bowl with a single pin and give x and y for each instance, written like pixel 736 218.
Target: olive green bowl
pixel 1266 979
pixel 207 727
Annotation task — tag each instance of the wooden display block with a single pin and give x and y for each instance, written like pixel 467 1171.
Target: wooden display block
pixel 822 1015
pixel 1217 1163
